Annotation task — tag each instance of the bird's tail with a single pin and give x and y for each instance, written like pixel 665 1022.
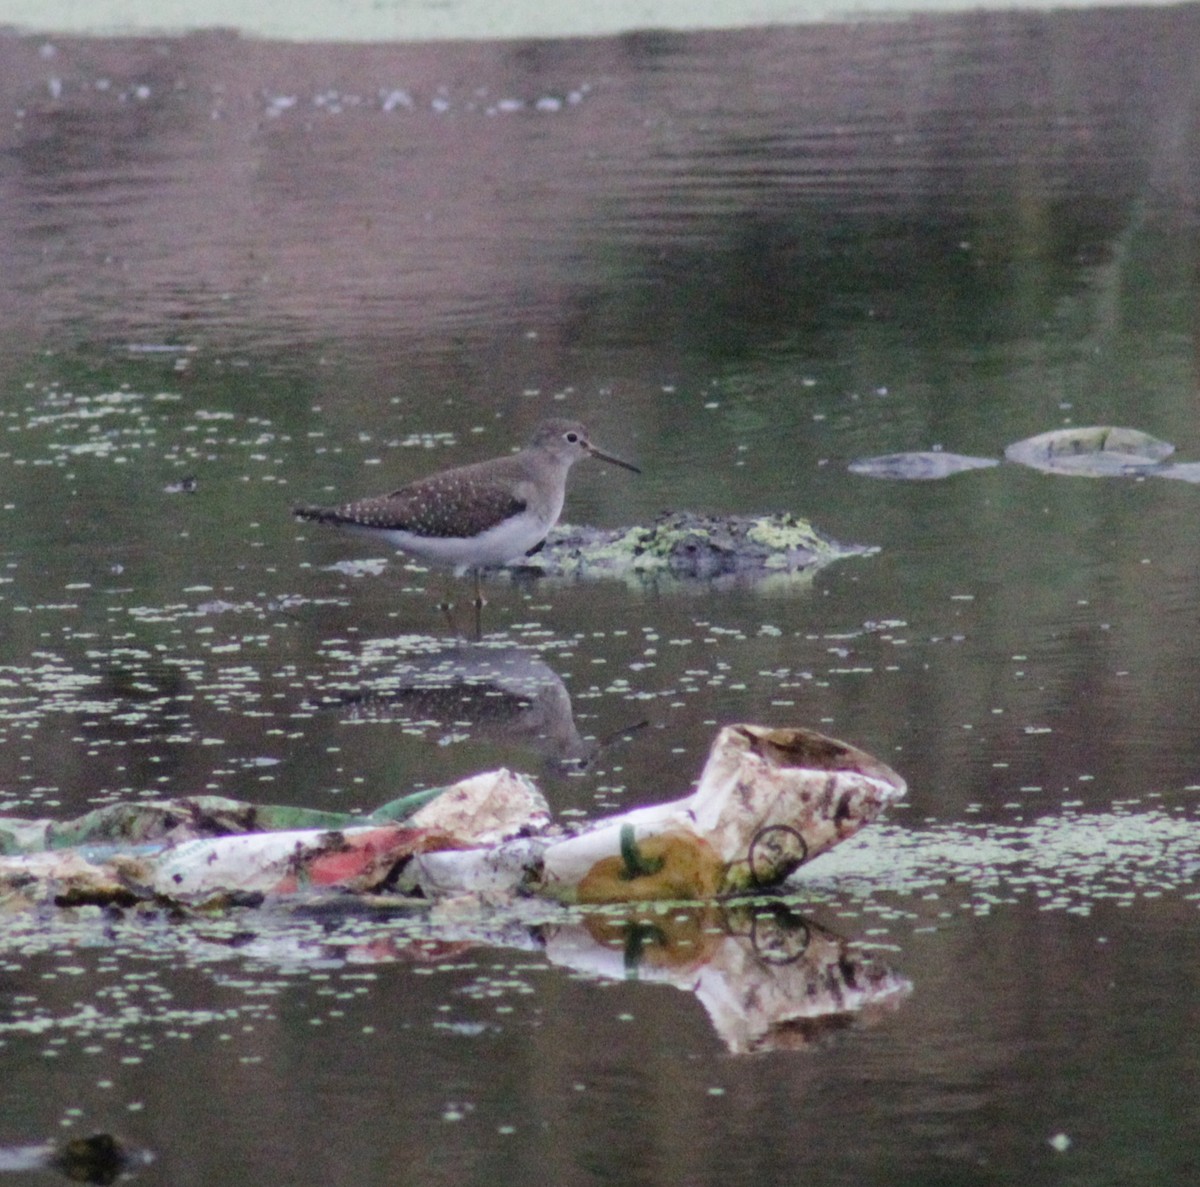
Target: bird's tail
pixel 315 514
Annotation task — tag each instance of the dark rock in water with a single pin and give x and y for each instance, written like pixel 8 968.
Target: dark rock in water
pixel 686 546
pixel 924 466
pixel 98 1158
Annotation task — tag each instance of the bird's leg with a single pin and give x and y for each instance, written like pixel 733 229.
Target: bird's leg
pixel 478 608
pixel 446 605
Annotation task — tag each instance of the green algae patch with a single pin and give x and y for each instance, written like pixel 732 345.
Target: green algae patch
pixel 687 547
pixel 790 541
pixel 640 550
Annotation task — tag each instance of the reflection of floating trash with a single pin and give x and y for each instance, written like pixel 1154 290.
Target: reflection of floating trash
pixel 769 978
pixel 1094 452
pixel 767 802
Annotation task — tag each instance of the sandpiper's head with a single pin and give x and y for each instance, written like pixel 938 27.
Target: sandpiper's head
pixel 567 441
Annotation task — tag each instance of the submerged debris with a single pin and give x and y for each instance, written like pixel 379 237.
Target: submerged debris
pixel 924 466
pixel 1097 451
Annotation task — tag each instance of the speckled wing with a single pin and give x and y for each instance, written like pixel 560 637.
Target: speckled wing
pixel 454 505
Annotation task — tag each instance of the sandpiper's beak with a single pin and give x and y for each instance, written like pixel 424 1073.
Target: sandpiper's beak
pixel 608 457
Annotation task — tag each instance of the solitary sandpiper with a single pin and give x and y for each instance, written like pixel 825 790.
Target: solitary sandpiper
pixel 472 517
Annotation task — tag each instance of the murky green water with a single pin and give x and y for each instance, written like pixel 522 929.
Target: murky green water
pixel 239 275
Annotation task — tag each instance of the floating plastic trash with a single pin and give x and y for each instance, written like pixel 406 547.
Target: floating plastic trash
pixel 768 801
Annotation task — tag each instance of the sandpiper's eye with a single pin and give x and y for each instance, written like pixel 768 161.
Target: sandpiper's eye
pixel 572 438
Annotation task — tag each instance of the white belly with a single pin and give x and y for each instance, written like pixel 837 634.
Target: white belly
pixel 497 546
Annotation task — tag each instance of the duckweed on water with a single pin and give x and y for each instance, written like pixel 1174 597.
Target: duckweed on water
pixel 1069 862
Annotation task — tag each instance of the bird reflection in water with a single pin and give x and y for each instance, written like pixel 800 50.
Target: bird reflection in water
pixel 503 695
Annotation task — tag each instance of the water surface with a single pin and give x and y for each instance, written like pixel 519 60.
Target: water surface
pixel 242 274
